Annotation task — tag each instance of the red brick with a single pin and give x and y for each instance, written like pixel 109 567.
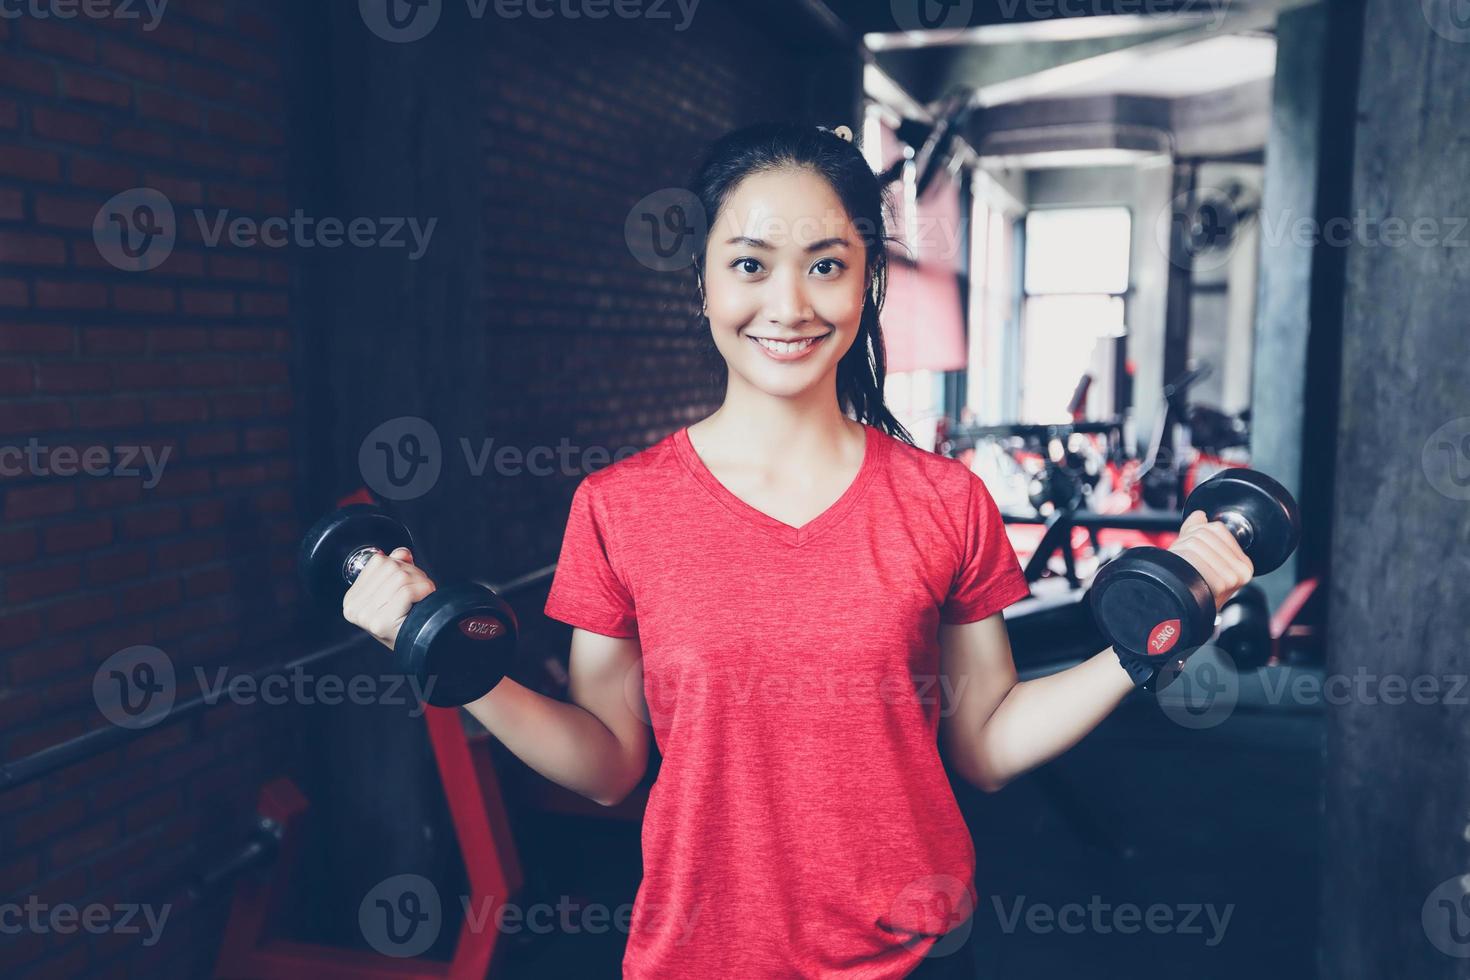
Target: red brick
pixel 238 405
pixel 18 630
pixel 83 842
pixel 114 340
pixel 27 75
pixel 217 86
pixel 27 248
pixel 178 408
pixel 177 339
pixel 135 62
pixel 66 212
pixel 27 163
pixel 238 268
pixel 16 380
pixel 32 584
pixel 108 412
pixel 76 614
pixel 17 546
pixel 56 295
pixel 145 375
pixel 264 372
pixel 9 114
pixel 228 52
pixel 208 374
pixel 201 302
pixel 264 304
pixel 119 566
pixel 253 25
pixel 102 174
pixel 143 299
pixel 12 204
pixel 54 37
pixel 37 339
pixel 40 824
pixel 19 874
pixel 144 142
pixel 259 166
pixel 152 522
pixel 177 189
pixel 14 293
pixel 79 535
pixel 273 439
pixel 178 482
pixel 71 376
pixel 33 417
pixel 111 493
pixel 90 87
pixel 149 597
pixel 160 104
pixel 212 444
pixel 68 127
pixel 204 154
pixel 243 129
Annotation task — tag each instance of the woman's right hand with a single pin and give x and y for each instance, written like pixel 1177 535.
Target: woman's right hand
pixel 379 599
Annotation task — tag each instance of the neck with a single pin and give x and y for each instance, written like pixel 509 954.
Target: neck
pixel 754 425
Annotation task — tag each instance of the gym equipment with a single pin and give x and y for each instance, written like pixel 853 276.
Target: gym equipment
pixel 461 639
pixel 1245 629
pixel 1152 603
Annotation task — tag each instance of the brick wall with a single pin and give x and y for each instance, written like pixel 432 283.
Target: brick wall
pixel 191 358
pixel 530 321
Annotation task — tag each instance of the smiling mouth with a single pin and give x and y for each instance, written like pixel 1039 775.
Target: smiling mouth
pixel 787 348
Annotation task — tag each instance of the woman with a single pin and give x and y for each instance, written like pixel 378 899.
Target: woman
pixel 801 604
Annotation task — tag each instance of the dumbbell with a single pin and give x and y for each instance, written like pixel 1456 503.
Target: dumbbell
pixel 1150 603
pixel 458 641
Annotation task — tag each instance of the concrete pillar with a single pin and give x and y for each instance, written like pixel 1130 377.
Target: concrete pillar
pixel 1397 795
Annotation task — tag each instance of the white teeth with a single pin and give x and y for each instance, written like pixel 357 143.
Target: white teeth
pixel 784 348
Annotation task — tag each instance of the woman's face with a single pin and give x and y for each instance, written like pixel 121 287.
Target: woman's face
pixel 784 263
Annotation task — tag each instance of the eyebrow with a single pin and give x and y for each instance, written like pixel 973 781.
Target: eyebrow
pixel 813 247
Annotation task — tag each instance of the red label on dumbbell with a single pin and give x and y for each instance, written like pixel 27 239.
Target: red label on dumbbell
pixel 1163 638
pixel 481 627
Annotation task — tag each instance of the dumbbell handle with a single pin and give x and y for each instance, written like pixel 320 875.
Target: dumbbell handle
pixel 357 561
pixel 1239 526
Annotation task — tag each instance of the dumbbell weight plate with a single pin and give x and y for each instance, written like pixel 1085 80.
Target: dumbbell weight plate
pixel 1155 601
pixel 463 638
pixel 1275 520
pixel 334 539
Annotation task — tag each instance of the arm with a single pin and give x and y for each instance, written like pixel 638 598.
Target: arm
pixel 998 727
pixel 595 745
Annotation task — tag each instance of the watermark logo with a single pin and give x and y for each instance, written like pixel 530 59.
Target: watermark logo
pixel 37 459
pixel 1204 224
pixel 933 905
pixel 1450 19
pixel 402 458
pixel 90 9
pixel 1446 459
pixel 937 20
pixel 135 687
pixel 1205 691
pixel 63 919
pixel 661 229
pixel 1104 918
pixel 136 230
pixel 401 21
pixel 401 915
pixel 1446 917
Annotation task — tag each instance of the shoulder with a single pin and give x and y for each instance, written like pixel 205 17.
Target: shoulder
pixel 921 471
pixel 630 474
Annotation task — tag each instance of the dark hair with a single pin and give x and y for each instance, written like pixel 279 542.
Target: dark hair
pixel 769 146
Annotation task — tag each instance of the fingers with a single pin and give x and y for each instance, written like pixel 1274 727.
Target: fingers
pixel 384 592
pixel 1216 554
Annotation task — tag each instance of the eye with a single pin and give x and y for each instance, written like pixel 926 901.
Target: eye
pixel 747 260
pixel 831 262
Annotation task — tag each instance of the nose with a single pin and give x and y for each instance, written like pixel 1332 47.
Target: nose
pixel 787 304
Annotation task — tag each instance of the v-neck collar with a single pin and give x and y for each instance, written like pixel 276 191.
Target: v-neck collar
pixel 794 536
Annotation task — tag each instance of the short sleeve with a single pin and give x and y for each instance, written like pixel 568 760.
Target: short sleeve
pixel 586 590
pixel 989 577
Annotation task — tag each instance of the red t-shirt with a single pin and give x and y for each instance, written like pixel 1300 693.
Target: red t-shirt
pixel 802 823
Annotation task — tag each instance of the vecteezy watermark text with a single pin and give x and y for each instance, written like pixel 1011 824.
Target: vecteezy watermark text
pixel 36 459
pixel 63 918
pixel 88 9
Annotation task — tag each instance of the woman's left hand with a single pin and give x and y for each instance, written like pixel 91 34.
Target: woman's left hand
pixel 1213 551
